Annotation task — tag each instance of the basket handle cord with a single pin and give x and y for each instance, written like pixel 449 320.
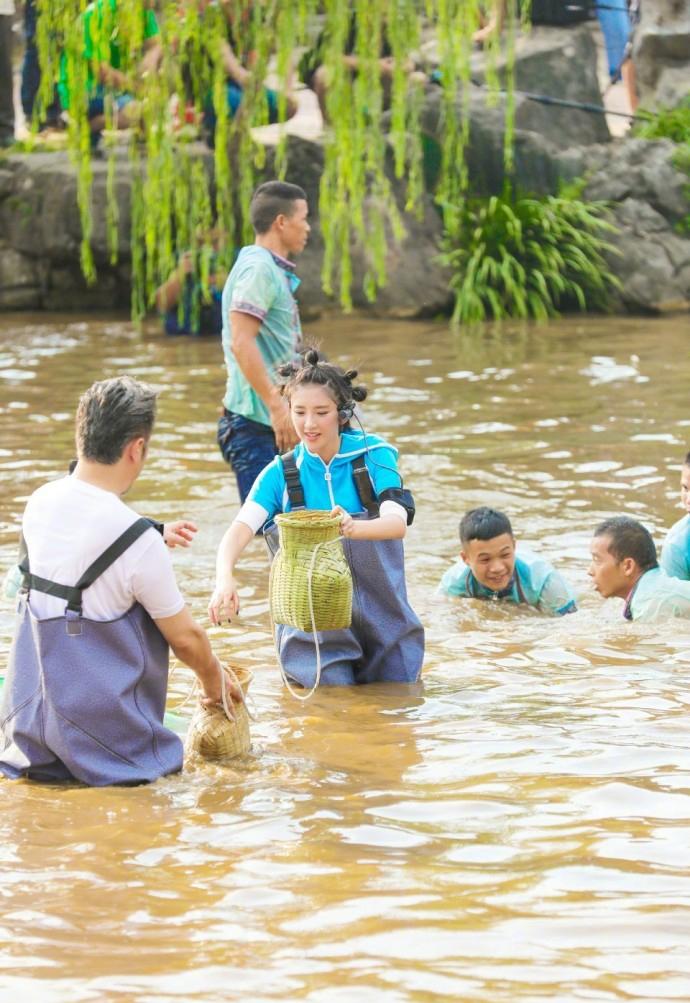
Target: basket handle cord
pixel 310 595
pixel 228 709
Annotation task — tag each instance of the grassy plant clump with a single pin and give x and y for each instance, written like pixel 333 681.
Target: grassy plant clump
pixel 528 257
pixel 666 123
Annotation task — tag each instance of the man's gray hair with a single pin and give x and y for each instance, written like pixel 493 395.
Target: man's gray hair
pixel 110 414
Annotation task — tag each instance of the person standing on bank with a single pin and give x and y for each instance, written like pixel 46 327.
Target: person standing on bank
pixel 261 332
pixel 6 77
pixel 86 683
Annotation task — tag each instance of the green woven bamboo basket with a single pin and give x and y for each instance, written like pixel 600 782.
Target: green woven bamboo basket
pixel 311 583
pixel 222 731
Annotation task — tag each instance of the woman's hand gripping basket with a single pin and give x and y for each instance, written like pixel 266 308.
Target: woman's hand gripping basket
pixel 311 582
pixel 222 730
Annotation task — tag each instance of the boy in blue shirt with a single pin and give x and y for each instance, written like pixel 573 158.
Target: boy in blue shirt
pixel 491 568
pixel 675 553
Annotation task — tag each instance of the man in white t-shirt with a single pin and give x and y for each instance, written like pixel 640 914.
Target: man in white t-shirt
pixel 85 691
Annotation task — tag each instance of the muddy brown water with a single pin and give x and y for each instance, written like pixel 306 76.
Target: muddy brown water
pixel 517 829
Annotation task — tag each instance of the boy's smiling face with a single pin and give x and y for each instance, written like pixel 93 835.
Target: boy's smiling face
pixel 492 562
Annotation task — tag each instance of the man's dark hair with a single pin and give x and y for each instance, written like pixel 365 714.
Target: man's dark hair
pixel 110 414
pixel 629 538
pixel 483 524
pixel 270 200
pixel 686 462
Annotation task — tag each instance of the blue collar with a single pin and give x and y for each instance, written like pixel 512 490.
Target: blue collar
pixel 284 263
pixel 627 609
pixel 288 267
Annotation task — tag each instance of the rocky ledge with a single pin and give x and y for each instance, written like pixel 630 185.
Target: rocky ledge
pixel 40 230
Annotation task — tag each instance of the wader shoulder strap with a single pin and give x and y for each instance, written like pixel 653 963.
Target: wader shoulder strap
pixel 365 489
pixel 521 595
pixel 360 472
pixel 292 481
pixel 72 593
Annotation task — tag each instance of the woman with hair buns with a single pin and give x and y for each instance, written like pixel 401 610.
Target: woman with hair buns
pixel 355 475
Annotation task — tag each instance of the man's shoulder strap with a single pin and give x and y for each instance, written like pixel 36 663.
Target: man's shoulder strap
pixel 360 472
pixel 292 480
pixel 365 488
pixel 111 554
pixel 72 593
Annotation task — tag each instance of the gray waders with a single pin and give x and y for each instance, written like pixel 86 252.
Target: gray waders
pixel 385 641
pixel 84 699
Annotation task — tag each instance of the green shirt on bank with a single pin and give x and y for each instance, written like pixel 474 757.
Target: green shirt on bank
pixel 101 43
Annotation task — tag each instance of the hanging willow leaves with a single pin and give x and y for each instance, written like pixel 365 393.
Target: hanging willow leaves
pixel 181 189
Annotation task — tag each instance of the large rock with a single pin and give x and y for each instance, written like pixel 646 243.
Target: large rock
pixel 39 220
pixel 416 285
pixel 661 52
pixel 550 63
pixel 537 161
pixel 648 195
pixel 558 63
pixel 38 206
pixel 20 280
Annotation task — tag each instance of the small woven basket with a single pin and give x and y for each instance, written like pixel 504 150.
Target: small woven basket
pixel 213 734
pixel 311 584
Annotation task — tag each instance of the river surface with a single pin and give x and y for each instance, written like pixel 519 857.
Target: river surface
pixel 517 829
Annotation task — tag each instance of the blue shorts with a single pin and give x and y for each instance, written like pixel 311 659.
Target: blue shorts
pixel 615 26
pixel 248 446
pixel 234 94
pixel 97 102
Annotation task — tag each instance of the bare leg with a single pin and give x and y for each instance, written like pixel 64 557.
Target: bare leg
pixel 628 75
pixel 320 85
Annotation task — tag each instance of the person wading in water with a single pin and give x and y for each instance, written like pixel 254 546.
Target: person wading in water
pixel 84 696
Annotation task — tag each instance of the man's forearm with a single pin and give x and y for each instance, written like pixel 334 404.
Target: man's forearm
pixel 253 368
pixel 195 651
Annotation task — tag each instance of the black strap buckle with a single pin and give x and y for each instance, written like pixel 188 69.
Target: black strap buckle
pixel 72 594
pixel 292 481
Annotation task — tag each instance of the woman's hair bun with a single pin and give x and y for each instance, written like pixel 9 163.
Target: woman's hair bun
pixel 350 375
pixel 311 357
pixel 359 393
pixel 287 370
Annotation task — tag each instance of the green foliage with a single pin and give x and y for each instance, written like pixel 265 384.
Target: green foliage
pixel 666 123
pixel 528 257
pixel 177 192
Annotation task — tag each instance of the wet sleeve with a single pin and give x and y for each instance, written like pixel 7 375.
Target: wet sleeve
pixel 265 498
pixel 454 582
pixel 557 596
pixel 664 604
pixel 678 605
pixel 675 560
pixel 254 290
pixel 153 581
